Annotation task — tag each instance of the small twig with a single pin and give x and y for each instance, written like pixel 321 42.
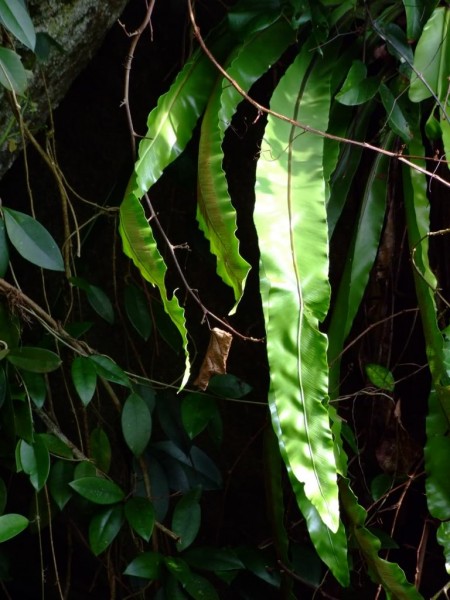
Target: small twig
pixel 421 553
pixel 60 435
pixel 369 328
pixel 189 289
pixel 136 36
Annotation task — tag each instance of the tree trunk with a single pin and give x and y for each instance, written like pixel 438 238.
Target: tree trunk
pixel 78 27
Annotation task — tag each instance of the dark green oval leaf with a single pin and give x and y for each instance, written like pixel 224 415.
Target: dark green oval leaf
pixel 35 386
pixel 197 410
pixel 213 559
pixel 196 586
pixel 140 514
pixel 84 469
pixel 186 519
pixel 56 446
pixel 395 116
pixel 100 303
pixel 32 240
pixel 15 18
pixel 61 474
pixel 84 377
pixel 228 386
pixel 136 424
pixel 146 565
pixel 104 527
pixel 13 75
pixel 136 307
pixel 11 525
pixel 380 377
pixel 98 490
pixel 35 461
pixel 108 369
pixel 357 87
pixel 100 449
pixel 36 360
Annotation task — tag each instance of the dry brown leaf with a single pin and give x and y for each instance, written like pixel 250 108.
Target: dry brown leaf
pixel 215 361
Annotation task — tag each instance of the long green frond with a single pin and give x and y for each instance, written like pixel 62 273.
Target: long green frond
pixel 388 574
pixel 291 225
pixel 215 213
pixel 140 245
pixel 360 259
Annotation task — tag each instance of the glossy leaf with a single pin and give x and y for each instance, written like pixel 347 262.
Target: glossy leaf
pixel 432 59
pixel 295 293
pixel 349 160
pixel 443 537
pixel 140 245
pixel 84 377
pixel 147 565
pixel 414 10
pixel 196 586
pixel 100 449
pixel 100 303
pixel 396 119
pixel 23 419
pixel 14 17
pixel 160 488
pixel 140 515
pixel 35 461
pixel 11 525
pixel 331 547
pixel 32 240
pixel 258 563
pixel 109 370
pixel 360 260
pixel 4 251
pixel 213 559
pixel 380 377
pixel 215 213
pixel 98 490
pixel 357 88
pixel 56 446
pixel 185 471
pixel 197 410
pixel 136 424
pixel 228 386
pixel 436 451
pixel 171 123
pixel 170 127
pixel 97 298
pixel 186 519
pixel 61 474
pixel 84 469
pixel 13 75
pixel 172 589
pixel 137 309
pixel 35 387
pixel 36 360
pixel 396 42
pixel 104 527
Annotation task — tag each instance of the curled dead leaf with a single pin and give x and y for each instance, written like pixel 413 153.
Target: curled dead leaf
pixel 215 361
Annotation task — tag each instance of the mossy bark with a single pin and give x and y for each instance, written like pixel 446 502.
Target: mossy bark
pixel 78 27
